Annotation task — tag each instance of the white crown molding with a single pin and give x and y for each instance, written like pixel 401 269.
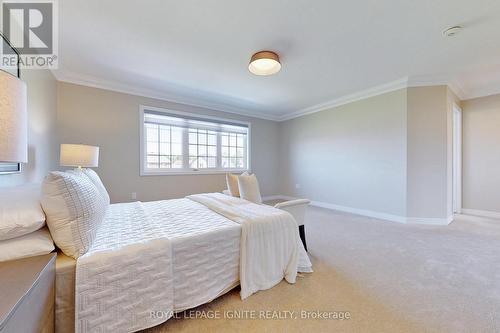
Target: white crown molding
pixel 415 81
pixel 94 82
pixel 427 80
pixel 477 93
pixel 437 80
pixel 454 85
pixel 406 82
pixel 458 89
pixel 367 93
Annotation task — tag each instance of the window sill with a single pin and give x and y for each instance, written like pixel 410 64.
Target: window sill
pixel 191 172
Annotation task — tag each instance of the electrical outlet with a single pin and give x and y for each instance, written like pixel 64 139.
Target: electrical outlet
pixel 133 195
pixel 297 186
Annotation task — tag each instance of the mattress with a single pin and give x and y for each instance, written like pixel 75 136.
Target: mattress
pixel 205 252
pixel 65 293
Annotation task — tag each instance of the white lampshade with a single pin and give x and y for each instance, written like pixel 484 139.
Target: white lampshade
pixel 79 156
pixel 13 119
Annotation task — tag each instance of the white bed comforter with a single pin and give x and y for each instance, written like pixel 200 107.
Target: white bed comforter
pixel 270 248
pixel 128 273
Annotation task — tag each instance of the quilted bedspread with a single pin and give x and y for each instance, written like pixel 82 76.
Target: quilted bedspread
pixel 159 257
pixel 125 275
pixel 154 257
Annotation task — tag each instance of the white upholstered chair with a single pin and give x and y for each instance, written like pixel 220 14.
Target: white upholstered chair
pixel 297 208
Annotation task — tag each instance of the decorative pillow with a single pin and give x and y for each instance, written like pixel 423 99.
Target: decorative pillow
pixel 74 210
pixel 33 244
pixel 96 180
pixel 232 183
pixel 20 211
pixel 249 188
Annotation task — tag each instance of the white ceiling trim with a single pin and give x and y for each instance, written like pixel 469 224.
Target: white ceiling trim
pixel 427 80
pixel 483 92
pixel 371 92
pixel 94 82
pixel 402 83
pixel 457 88
pixel 437 80
pixel 406 82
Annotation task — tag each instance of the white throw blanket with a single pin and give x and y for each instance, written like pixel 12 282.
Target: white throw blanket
pixel 270 247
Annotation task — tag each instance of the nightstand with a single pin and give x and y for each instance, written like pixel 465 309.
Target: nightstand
pixel 27 289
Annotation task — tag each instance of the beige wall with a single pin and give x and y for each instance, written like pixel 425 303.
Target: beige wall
pixel 110 120
pixel 42 139
pixel 481 153
pixel 388 154
pixel 352 155
pixel 428 152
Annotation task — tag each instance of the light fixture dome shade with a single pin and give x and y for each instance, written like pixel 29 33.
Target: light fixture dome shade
pixel 264 63
pixel 13 119
pixel 79 156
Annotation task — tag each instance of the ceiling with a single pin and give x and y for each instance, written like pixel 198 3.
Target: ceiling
pixel 197 52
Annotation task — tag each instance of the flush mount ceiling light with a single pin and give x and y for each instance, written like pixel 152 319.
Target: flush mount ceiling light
pixel 264 63
pixel 452 31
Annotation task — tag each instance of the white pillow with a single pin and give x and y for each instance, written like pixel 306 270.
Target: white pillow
pixel 74 210
pixel 249 188
pixel 232 183
pixel 96 180
pixel 33 244
pixel 20 211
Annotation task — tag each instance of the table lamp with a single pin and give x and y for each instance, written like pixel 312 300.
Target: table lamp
pixel 79 156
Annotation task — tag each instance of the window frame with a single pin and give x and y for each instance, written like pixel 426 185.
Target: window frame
pixel 208 171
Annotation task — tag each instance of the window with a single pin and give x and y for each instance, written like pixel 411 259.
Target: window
pixel 233 150
pixel 202 149
pixel 175 142
pixel 163 146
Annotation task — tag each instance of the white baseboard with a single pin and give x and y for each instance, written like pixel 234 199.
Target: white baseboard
pixel 430 220
pixel 373 214
pixel 363 212
pixel 482 213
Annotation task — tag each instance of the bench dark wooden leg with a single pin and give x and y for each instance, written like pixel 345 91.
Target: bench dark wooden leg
pixel 302 234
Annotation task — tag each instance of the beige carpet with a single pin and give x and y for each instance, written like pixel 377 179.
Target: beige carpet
pixel 389 277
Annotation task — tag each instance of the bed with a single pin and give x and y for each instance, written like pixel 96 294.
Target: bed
pixel 203 246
